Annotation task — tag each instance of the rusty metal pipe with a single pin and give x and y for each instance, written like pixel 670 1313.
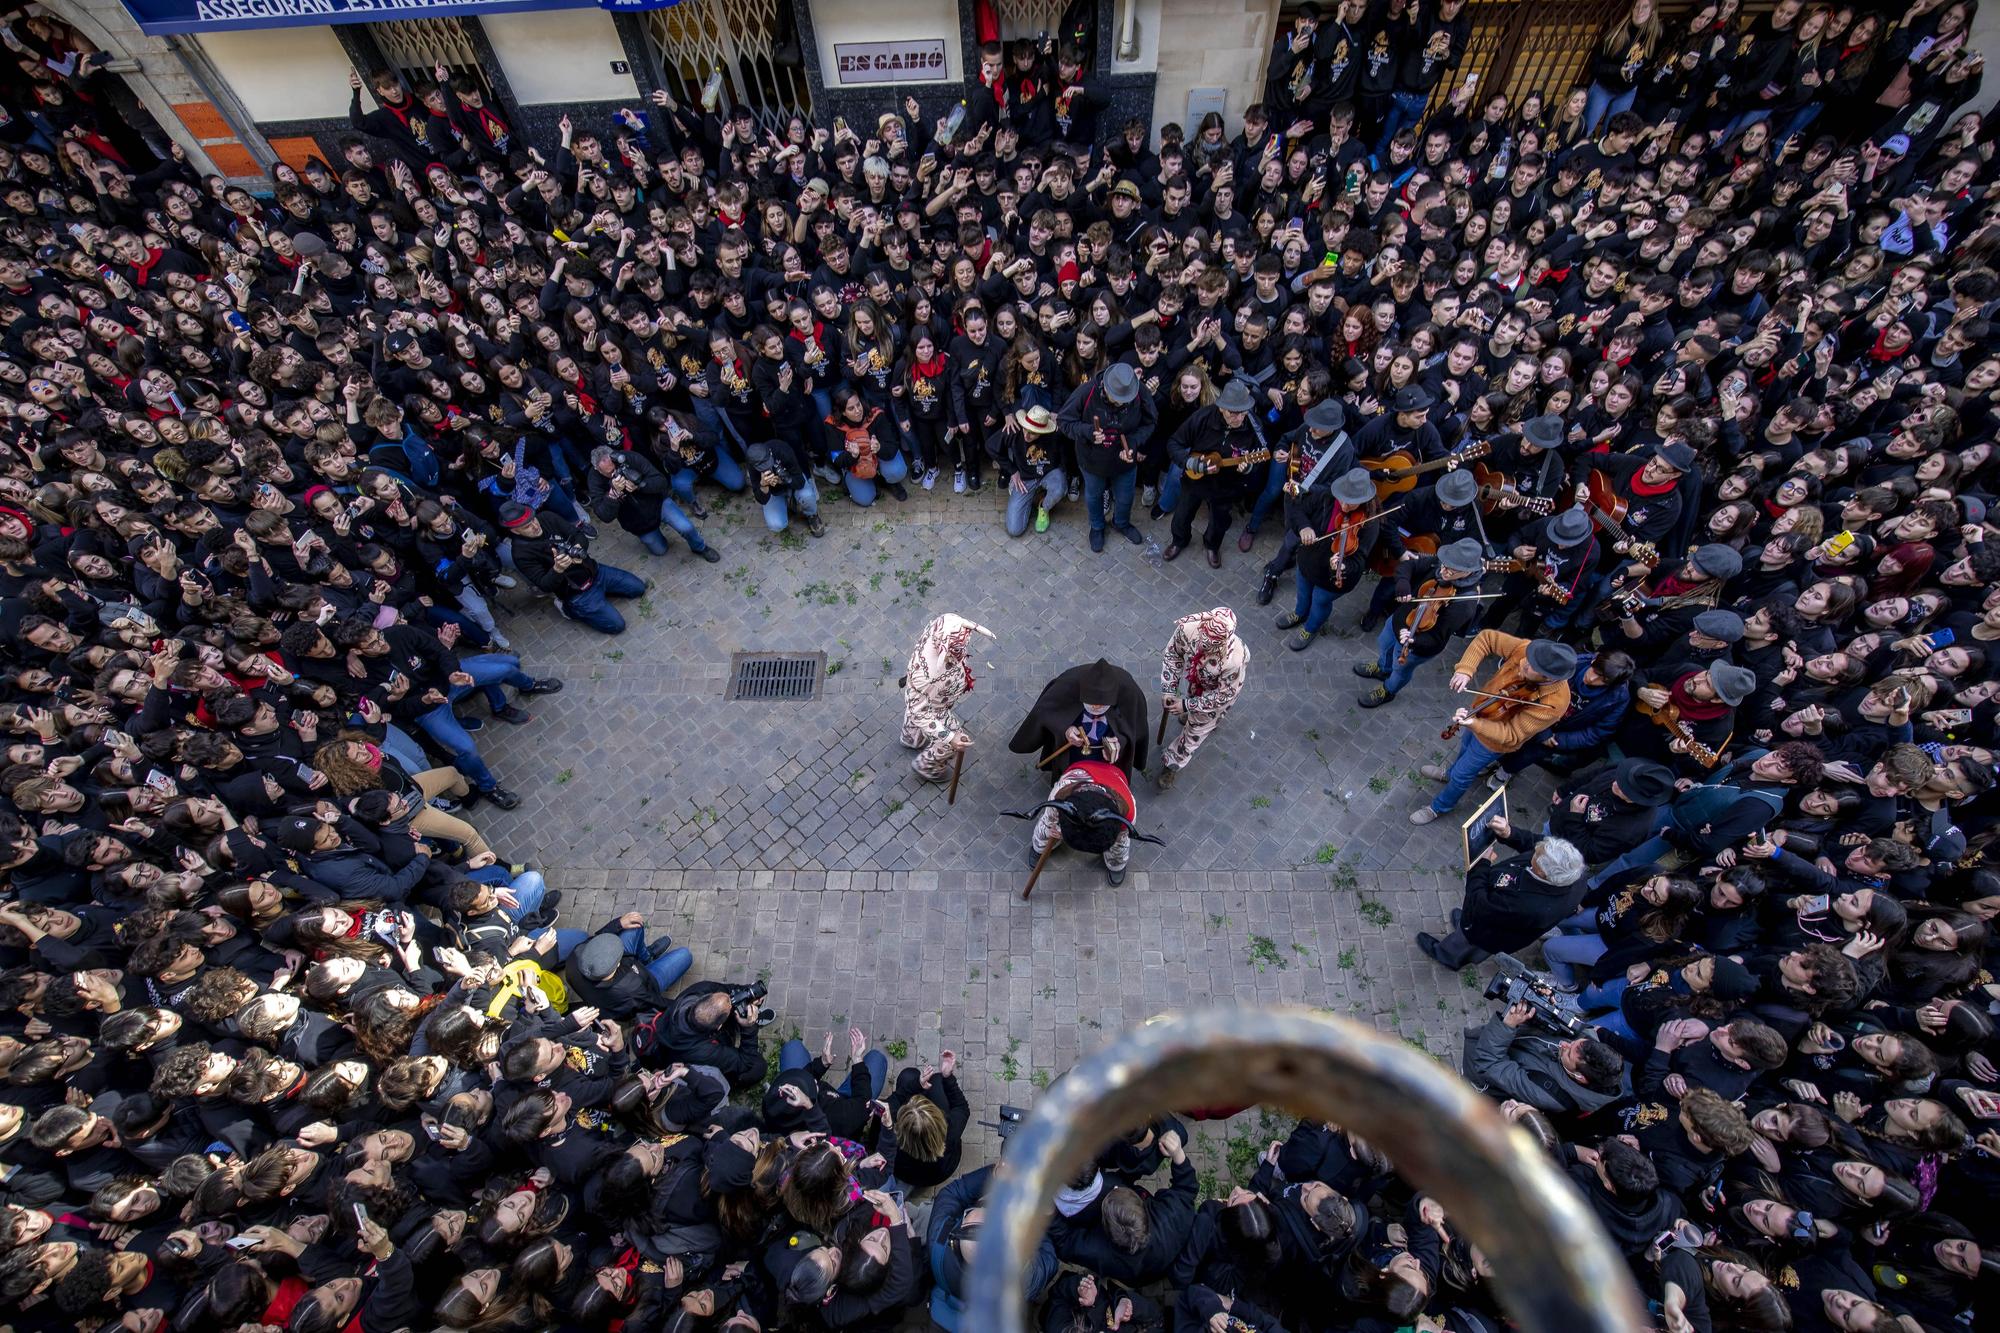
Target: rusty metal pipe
pixel 1553 1267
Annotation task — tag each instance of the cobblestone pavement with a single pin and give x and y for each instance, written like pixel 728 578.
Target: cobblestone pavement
pixel 793 840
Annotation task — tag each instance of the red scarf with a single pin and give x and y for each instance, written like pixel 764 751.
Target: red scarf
pixel 1693 709
pixel 1640 486
pixel 1881 353
pixel 930 369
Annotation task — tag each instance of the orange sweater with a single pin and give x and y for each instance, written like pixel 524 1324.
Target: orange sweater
pixel 1518 723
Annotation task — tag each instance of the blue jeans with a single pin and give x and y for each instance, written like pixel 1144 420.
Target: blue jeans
pixel 1274 489
pixel 1122 487
pixel 662 961
pixel 1579 945
pixel 676 518
pixel 400 746
pixel 1170 490
pixel 1607 996
pixel 1315 604
pixel 442 725
pixel 892 472
pixel 1472 760
pixel 728 475
pixel 1387 649
pixel 777 509
pixel 1044 494
pixel 489 672
pixel 1645 854
pixel 529 890
pixel 1797 122
pixel 794 1055
pixel 593 605
pixel 1739 122
pixel 1603 103
pixel 1405 110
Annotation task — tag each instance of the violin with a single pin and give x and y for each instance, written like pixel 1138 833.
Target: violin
pixel 1497 705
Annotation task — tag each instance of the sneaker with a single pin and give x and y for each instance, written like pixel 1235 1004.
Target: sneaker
pixel 958 481
pixel 1496 779
pixel 501 797
pixel 445 805
pixel 471 723
pixel 1301 641
pixel 972 485
pixel 1435 772
pixel 1116 877
pixel 1289 619
pixel 1148 494
pixel 1041 520
pixel 1369 671
pixel 1375 698
pixel 930 477
pixel 826 475
pixel 1075 489
pixel 710 554
pixel 588 529
pixel 816 525
pixel 899 490
pixel 505 581
pixel 1267 588
pixel 1423 814
pixel 515 714
pixel 697 508
pixel 544 685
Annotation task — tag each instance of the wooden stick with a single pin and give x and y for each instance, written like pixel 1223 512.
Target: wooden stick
pixel 1057 753
pixel 1161 739
pixel 957 767
pixel 1036 873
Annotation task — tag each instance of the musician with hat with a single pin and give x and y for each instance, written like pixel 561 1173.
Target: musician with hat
pixel 1207 658
pixel 1333 555
pixel 1038 481
pixel 1110 422
pixel 1405 428
pixel 1689 723
pixel 1527 695
pixel 1608 811
pixel 1433 599
pixel 1427 518
pixel 1215 449
pixel 1531 464
pixel 1649 486
pixel 1314 454
pixel 1658 610
pixel 1558 556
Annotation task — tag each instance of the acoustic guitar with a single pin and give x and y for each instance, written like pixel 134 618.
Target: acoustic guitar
pixel 1221 462
pixel 1397 472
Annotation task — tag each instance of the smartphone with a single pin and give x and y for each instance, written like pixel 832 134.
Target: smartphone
pixel 1984 1104
pixel 1816 903
pixel 242 1242
pixel 1840 541
pixel 1943 638
pixel 361 1215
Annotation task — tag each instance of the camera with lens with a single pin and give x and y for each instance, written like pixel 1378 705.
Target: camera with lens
pixel 1517 983
pixel 752 994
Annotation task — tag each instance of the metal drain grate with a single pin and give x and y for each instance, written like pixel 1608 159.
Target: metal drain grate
pixel 775 677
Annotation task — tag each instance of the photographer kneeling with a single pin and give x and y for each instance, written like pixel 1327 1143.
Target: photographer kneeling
pixel 710 1024
pixel 1517 1057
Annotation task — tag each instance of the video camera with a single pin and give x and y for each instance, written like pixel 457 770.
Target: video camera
pixel 1517 983
pixel 752 994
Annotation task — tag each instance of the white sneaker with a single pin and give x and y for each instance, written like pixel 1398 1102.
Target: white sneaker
pixel 958 482
pixel 930 478
pixel 505 581
pixel 1496 779
pixel 1147 494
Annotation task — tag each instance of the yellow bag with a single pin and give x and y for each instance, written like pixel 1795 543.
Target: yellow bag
pixel 521 974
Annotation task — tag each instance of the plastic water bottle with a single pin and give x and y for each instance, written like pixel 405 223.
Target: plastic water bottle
pixel 952 124
pixel 711 91
pixel 1502 159
pixel 1153 555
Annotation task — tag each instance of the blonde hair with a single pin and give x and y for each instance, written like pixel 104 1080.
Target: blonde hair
pixel 920 1129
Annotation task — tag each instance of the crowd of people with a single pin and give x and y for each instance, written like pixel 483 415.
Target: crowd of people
pixel 1692 368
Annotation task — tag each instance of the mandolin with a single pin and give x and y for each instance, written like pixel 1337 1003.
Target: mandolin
pixel 1668 717
pixel 1398 472
pixel 1218 462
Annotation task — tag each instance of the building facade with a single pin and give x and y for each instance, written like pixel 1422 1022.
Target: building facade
pixel 243 84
